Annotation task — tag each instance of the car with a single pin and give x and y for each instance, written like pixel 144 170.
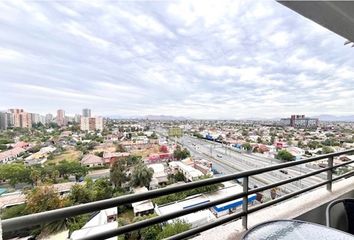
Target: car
pixel 283 171
pixel 219 156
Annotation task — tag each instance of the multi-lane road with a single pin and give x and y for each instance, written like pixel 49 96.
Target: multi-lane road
pixel 227 160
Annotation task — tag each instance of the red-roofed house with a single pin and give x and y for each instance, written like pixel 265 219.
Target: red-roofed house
pixel 110 158
pixel 10 154
pixel 21 144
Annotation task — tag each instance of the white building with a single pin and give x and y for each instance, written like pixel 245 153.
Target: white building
pixel 190 173
pixel 99 123
pixel 143 207
pixel 85 124
pixel 104 221
pixel 196 219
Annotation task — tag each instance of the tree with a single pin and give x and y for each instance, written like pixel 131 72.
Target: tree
pixel 179 154
pixel 14 211
pixel 198 135
pixel 15 173
pixel 141 175
pixel 247 146
pixel 174 228
pixel 285 156
pixel 147 233
pixel 326 150
pixel 35 176
pixel 102 189
pixel 42 199
pixel 3 147
pixel 66 169
pixel 133 160
pixel 118 173
pixel 81 194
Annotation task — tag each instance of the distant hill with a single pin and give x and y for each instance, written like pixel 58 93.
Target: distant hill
pixel 327 117
pixel 164 117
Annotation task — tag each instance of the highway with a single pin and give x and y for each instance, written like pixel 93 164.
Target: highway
pixel 228 160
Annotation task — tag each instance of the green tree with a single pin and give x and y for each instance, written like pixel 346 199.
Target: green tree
pixel 102 189
pixel 15 211
pixel 327 149
pixel 81 194
pixel 141 175
pixel 44 198
pixel 180 153
pixel 118 173
pixel 174 228
pixel 15 173
pixel 247 146
pixel 285 156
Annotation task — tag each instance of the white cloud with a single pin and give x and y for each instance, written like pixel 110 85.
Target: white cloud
pixel 10 55
pixel 280 39
pixel 194 58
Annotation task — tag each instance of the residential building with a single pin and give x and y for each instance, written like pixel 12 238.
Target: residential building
pixel 86 112
pixel 190 173
pixel 91 123
pixel 22 119
pixel 143 207
pixel 10 119
pixel 3 121
pixel 99 123
pixel 61 118
pixel 77 118
pixel 105 220
pixel 159 176
pixel 90 160
pixel 84 124
pixel 110 158
pixel 10 155
pixel 48 118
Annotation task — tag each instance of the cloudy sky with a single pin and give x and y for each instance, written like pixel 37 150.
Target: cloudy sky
pixel 202 59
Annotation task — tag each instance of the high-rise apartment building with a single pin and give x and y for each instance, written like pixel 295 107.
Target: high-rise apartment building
pixel 35 117
pixel 3 121
pixel 21 118
pixel 84 124
pixel 48 118
pixel 91 123
pixel 77 118
pixel 99 123
pixel 61 118
pixel 86 112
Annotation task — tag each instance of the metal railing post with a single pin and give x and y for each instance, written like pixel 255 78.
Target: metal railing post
pixel 245 202
pixel 330 173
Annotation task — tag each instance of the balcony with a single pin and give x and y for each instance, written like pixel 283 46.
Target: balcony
pixel 306 204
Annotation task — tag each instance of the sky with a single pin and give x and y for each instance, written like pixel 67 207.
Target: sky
pixel 220 59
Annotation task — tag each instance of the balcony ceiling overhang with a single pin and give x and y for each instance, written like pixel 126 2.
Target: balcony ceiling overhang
pixel 337 16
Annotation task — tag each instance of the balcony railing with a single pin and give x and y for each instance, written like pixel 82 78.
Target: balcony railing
pixel 49 216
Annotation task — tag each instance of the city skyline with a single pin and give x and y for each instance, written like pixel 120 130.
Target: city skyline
pixel 204 59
